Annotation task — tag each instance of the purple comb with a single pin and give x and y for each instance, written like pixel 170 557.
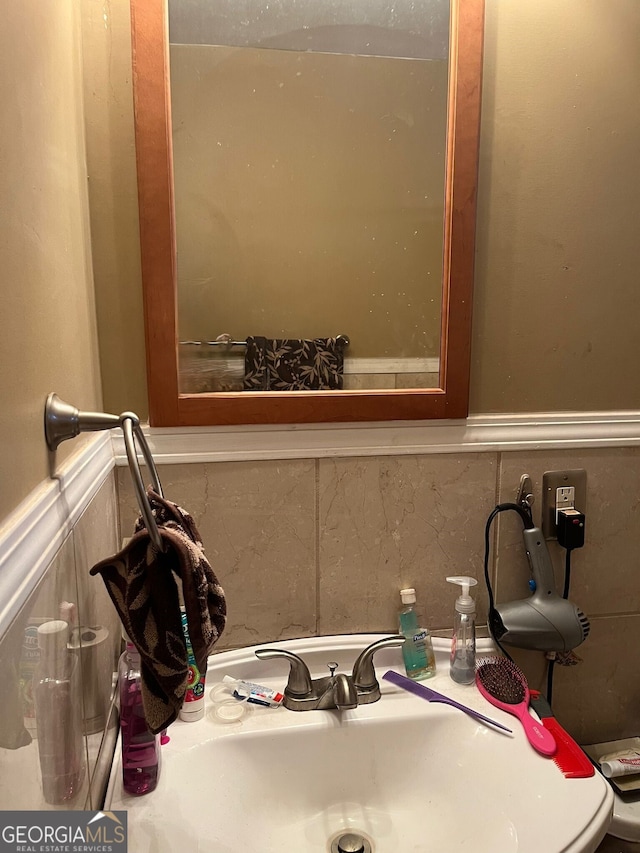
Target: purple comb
pixel 432 696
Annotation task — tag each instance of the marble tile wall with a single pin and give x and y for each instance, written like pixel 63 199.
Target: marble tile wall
pixel 94 644
pixel 322 546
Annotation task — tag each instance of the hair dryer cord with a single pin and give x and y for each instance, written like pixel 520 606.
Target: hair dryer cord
pixel 527 521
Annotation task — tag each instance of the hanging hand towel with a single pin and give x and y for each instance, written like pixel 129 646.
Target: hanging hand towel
pixel 142 584
pixel 291 364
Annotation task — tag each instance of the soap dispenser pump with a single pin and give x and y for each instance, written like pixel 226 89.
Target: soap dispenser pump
pixel 463 642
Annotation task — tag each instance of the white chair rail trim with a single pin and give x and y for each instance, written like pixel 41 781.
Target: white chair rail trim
pixel 477 433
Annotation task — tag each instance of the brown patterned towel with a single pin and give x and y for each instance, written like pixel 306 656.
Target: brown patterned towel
pixel 292 364
pixel 142 584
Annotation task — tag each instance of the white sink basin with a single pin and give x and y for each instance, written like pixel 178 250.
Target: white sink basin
pixel 405 774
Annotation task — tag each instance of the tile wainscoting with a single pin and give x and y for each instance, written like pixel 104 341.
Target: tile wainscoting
pixel 313 530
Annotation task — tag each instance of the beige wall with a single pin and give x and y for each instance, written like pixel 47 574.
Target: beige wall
pixel 556 288
pixel 113 201
pixel 559 199
pixel 49 328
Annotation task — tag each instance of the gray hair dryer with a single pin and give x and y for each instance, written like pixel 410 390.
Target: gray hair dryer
pixel 544 621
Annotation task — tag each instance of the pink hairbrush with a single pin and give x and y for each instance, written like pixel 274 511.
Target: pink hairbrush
pixel 503 683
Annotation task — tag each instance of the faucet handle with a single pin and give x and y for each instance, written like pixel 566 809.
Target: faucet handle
pixel 299 683
pixel 364 674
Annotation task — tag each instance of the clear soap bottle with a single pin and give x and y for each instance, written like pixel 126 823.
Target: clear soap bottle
pixel 463 643
pixel 140 748
pixel 58 702
pixel 417 649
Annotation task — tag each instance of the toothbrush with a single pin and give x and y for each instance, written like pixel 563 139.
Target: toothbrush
pixel 503 683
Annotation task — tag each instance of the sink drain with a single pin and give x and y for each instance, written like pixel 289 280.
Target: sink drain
pixel 351 842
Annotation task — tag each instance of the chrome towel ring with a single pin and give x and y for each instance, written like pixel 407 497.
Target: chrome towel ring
pixel 63 421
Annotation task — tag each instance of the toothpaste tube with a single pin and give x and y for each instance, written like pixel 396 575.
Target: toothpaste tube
pixel 255 693
pixel 193 705
pixel 621 767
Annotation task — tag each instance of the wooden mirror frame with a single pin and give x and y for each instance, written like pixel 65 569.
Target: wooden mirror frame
pixel 167 407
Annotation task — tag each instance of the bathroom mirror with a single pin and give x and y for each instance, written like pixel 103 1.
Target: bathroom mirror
pixel 198 264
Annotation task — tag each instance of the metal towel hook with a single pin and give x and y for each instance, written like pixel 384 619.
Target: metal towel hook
pixel 63 421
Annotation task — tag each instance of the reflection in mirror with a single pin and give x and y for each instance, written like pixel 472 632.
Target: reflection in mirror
pixel 309 147
pixel 321 222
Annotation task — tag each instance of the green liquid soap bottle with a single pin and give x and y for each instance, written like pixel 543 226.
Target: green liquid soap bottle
pixel 417 649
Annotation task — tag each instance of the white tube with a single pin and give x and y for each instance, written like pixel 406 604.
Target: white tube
pixel 620 767
pixel 255 693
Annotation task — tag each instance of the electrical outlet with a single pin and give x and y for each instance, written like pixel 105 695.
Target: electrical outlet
pixel 565 499
pixel 562 490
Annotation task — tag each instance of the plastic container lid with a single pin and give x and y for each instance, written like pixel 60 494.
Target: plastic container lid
pixel 408 596
pixel 227 708
pixel 229 712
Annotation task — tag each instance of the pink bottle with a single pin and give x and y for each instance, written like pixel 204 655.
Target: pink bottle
pixel 140 748
pixel 58 703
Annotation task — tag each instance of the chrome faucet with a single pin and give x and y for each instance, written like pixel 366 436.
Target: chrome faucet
pixel 341 691
pixel 364 674
pixel 336 691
